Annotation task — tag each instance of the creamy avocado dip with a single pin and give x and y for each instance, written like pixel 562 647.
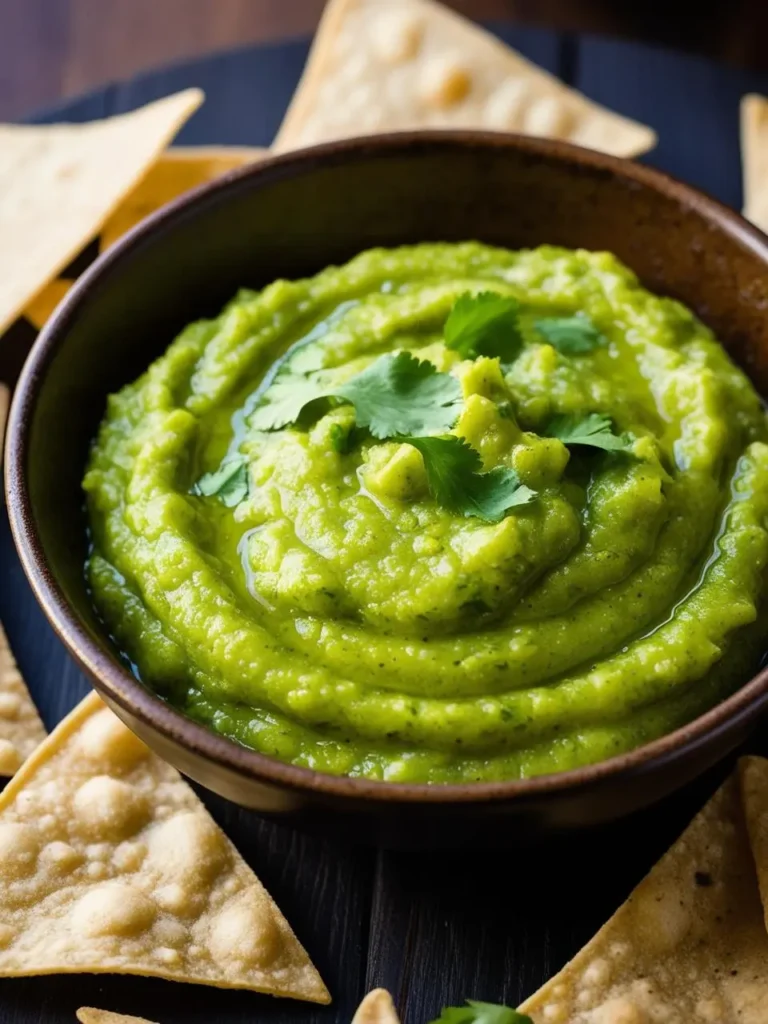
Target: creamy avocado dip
pixel 275 559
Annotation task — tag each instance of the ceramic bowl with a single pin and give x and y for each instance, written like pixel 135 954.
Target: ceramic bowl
pixel 290 216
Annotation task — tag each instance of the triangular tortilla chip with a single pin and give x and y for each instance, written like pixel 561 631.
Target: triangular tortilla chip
pixel 688 947
pixel 89 1015
pixel 40 308
pixel 177 171
pixel 109 863
pixel 754 159
pixel 20 727
pixel 753 773
pixel 394 65
pixel 59 183
pixel 376 1008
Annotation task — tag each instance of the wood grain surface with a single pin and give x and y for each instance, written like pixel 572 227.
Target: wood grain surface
pixel 51 49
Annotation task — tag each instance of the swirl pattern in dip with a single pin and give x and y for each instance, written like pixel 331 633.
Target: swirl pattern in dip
pixel 338 617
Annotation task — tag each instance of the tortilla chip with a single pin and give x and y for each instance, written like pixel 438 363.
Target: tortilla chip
pixel 753 773
pixel 177 171
pixel 393 65
pixel 109 863
pixel 59 183
pixel 376 1008
pixel 689 946
pixel 40 308
pixel 89 1015
pixel 20 727
pixel 754 159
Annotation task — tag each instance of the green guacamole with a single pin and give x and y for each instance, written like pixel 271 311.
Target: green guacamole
pixel 335 615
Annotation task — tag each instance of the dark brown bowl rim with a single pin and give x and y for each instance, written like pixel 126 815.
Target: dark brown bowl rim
pixel 127 692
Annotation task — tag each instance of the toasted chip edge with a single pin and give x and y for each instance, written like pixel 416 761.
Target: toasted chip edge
pixel 376 1008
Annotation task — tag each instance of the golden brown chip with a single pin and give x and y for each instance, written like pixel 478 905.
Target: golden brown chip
pixel 393 65
pixel 688 947
pixel 20 727
pixel 376 1008
pixel 178 170
pixel 89 1015
pixel 753 773
pixel 59 183
pixel 754 158
pixel 40 308
pixel 109 863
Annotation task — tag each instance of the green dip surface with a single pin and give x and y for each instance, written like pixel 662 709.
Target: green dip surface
pixel 338 617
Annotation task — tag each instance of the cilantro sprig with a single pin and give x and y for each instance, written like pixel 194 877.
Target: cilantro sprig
pixel 229 483
pixel 571 335
pixel 593 431
pixel 488 324
pixel 400 394
pixel 456 481
pixel 396 394
pixel 481 1013
pixel 284 400
pixel 403 398
pixel 485 324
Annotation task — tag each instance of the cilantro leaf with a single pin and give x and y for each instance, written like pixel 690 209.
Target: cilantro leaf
pixel 400 394
pixel 397 394
pixel 344 437
pixel 484 325
pixel 339 438
pixel 491 495
pixel 284 399
pixel 456 481
pixel 595 431
pixel 572 335
pixel 481 1013
pixel 229 483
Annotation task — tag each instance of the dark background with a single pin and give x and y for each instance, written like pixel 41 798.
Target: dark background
pixel 51 49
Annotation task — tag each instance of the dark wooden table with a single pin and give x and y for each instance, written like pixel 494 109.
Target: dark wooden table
pixel 433 928
pixel 56 48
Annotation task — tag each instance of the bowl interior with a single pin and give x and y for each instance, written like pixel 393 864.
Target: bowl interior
pixel 297 214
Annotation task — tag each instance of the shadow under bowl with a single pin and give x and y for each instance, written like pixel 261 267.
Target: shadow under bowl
pixel 290 216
